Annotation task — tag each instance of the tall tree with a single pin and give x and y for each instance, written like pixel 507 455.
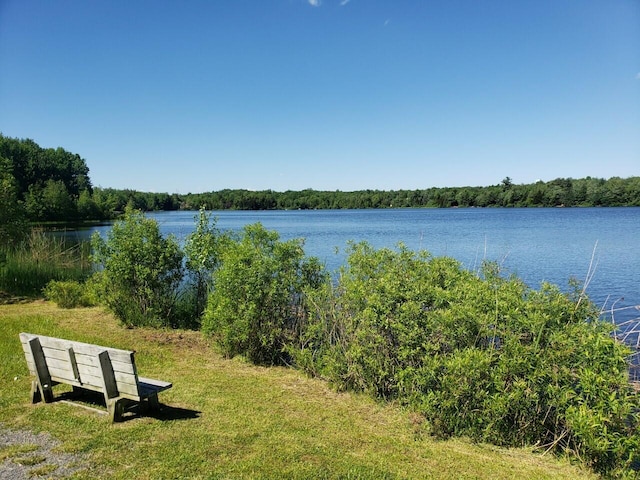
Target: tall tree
pixel 13 225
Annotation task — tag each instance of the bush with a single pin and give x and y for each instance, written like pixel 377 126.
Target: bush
pixel 257 300
pixel 68 294
pixel 141 271
pixel 479 356
pixel 202 250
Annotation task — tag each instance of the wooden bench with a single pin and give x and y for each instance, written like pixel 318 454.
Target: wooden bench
pixel 107 370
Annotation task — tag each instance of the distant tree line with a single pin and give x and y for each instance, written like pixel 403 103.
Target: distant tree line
pixel 52 185
pixel 565 192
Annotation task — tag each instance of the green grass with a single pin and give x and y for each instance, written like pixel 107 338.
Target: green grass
pixel 27 269
pixel 43 471
pixel 15 451
pixel 229 419
pixel 30 460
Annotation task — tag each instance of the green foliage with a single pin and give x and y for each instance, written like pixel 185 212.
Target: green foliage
pixel 13 224
pixel 141 271
pixel 585 192
pixel 40 258
pixel 50 201
pixel 49 181
pixel 382 317
pixel 112 202
pixel 478 356
pixel 68 294
pixel 202 250
pixel 257 300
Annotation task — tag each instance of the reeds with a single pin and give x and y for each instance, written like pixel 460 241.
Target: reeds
pixel 42 257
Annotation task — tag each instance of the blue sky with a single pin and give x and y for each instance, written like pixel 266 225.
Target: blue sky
pixel 195 96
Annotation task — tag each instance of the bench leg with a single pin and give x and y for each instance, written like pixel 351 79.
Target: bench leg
pixel 149 404
pixel 115 407
pixel 38 394
pixel 154 403
pixel 35 392
pixel 77 391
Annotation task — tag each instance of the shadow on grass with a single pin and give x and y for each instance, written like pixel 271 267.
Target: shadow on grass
pixel 94 401
pixel 168 412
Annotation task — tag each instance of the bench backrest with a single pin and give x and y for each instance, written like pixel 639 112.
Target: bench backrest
pixel 103 369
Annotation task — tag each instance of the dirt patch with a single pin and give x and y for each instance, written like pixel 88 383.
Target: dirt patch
pixel 180 340
pixel 25 455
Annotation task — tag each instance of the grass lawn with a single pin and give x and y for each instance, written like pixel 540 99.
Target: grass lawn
pixel 229 419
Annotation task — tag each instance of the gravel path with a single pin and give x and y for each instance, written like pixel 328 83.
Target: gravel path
pixel 24 455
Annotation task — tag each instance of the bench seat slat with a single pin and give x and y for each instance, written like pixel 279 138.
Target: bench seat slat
pixel 147 391
pixel 151 383
pixel 88 375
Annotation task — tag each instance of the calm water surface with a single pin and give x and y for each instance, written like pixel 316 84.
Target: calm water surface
pixel 538 245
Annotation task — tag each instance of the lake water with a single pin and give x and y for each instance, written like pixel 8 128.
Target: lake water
pixel 537 244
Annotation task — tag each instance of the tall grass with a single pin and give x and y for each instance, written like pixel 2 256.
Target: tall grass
pixel 26 269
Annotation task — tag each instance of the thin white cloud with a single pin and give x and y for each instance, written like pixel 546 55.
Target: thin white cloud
pixel 344 2
pixel 386 22
pixel 315 3
pixel 638 76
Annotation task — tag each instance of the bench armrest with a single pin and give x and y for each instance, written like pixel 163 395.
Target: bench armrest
pixel 149 386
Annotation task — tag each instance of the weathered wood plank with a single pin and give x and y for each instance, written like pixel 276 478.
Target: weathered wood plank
pixel 159 384
pixel 89 376
pixel 115 408
pixel 127 368
pixel 124 390
pixel 147 390
pixel 67 377
pixel 74 365
pixel 121 377
pixel 109 379
pixel 66 365
pixel 90 361
pixel 42 371
pixel 79 347
pixel 64 369
pixel 86 407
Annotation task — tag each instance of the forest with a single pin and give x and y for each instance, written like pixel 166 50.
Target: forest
pixel 561 192
pixel 53 185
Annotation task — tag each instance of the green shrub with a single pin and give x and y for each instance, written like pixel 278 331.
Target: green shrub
pixel 141 271
pixel 478 355
pixel 379 320
pixel 68 294
pixel 256 303
pixel 202 251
